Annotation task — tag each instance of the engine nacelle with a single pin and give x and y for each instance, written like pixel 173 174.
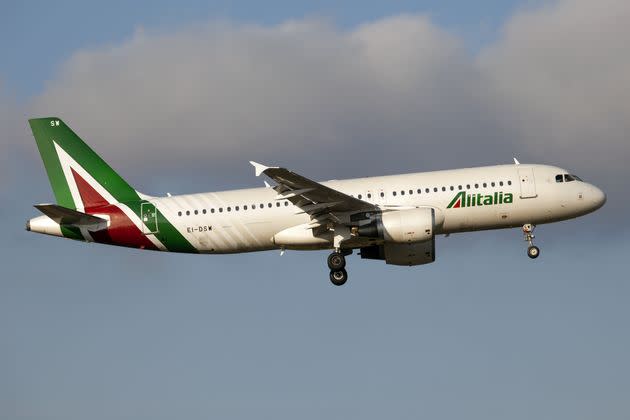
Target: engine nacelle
pixel 402 254
pixel 401 226
pixel 405 226
pixel 408 235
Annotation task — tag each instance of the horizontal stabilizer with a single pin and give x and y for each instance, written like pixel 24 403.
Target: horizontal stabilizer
pixel 68 217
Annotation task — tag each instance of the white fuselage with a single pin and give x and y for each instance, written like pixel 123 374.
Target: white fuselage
pixel 247 220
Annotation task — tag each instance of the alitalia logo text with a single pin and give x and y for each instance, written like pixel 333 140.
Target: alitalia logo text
pixel 475 200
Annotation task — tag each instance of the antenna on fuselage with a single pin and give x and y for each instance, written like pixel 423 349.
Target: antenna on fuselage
pixel 516 162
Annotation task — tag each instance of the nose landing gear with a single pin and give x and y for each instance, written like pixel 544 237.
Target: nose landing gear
pixel 532 250
pixel 337 264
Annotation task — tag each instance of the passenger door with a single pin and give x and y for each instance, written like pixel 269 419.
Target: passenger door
pixel 528 183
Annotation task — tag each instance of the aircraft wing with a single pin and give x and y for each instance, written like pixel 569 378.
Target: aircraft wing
pixel 68 217
pixel 312 197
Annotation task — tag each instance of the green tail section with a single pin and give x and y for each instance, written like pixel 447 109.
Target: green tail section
pixel 52 130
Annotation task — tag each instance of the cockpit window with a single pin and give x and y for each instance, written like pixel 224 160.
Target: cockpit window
pixel 569 178
pixel 559 178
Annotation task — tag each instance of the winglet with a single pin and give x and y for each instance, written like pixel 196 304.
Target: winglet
pixel 258 167
pixel 516 162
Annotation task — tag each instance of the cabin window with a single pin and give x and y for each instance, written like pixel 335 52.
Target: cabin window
pixel 476 185
pixel 269 205
pixel 236 208
pixel 493 184
pixel 286 203
pixel 196 212
pixel 220 209
pixel 262 206
pixel 509 182
pixel 419 190
pixel 485 185
pixel 359 196
pixel 245 207
pixel 467 186
pixel 459 187
pixel 435 189
pixel 179 213
pixel 229 209
pixel 501 183
pixel 452 188
pixel 369 195
pixel 402 192
pixel 211 210
pixel 204 211
pixel 394 193
pixel 187 212
pixel 443 188
pixel 382 194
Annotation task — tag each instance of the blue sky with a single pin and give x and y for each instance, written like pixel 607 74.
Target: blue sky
pixel 91 331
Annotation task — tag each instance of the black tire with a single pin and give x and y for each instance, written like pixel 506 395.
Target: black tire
pixel 533 252
pixel 339 277
pixel 336 261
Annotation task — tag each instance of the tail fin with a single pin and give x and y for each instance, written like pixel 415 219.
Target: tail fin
pixel 79 177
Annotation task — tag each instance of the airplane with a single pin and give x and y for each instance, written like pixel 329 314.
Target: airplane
pixel 391 218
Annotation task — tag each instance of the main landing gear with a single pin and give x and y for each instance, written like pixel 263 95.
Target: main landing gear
pixel 532 250
pixel 337 264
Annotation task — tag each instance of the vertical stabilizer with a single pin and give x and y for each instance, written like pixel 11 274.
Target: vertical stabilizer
pixel 79 177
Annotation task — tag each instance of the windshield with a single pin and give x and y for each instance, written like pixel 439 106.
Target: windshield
pixel 567 178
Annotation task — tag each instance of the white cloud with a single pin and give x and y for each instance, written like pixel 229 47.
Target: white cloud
pixel 303 90
pixel 564 73
pixel 395 94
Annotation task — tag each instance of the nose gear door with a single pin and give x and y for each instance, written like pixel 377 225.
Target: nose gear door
pixel 528 184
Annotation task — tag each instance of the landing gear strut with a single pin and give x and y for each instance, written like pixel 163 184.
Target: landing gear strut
pixel 532 250
pixel 337 264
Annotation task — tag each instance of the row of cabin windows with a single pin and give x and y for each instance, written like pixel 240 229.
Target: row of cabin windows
pixel 436 189
pixel 360 196
pixel 235 208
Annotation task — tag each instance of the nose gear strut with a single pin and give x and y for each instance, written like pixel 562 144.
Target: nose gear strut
pixel 532 250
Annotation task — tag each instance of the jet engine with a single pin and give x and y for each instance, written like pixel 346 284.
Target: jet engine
pixel 408 236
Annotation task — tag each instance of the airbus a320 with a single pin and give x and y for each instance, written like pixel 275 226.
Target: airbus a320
pixel 389 218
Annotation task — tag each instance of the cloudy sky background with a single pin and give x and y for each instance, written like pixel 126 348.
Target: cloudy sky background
pixel 178 99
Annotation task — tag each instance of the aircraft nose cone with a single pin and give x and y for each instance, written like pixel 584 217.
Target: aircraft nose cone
pixel 598 197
